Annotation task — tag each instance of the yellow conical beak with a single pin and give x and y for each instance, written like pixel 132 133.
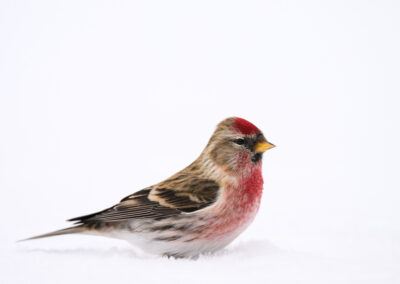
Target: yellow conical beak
pixel 263 146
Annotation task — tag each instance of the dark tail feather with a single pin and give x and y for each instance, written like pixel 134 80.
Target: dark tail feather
pixel 71 230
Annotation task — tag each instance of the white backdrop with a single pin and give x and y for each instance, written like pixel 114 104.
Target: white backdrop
pixel 99 99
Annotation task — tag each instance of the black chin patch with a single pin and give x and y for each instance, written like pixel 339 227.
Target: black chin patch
pixel 256 157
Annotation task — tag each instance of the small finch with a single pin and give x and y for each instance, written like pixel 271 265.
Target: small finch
pixel 200 209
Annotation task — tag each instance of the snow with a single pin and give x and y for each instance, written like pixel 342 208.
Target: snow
pixel 248 260
pixel 101 99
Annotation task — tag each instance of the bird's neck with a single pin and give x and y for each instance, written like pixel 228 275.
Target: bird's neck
pixel 248 189
pixel 243 192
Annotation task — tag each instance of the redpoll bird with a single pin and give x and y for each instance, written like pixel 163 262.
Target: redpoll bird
pixel 198 210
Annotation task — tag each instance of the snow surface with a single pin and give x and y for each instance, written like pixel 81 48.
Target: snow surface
pixel 99 99
pixel 365 260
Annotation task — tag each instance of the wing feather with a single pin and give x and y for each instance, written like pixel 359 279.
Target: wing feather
pixel 170 198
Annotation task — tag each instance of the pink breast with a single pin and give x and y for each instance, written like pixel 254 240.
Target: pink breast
pixel 241 203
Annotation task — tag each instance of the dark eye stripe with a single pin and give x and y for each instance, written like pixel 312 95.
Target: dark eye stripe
pixel 239 141
pixel 246 142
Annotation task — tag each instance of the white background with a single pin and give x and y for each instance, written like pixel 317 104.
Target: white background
pixel 99 99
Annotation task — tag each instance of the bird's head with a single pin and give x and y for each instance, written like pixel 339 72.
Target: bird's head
pixel 237 144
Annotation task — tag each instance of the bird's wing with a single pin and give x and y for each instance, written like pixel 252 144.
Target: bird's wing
pixel 159 202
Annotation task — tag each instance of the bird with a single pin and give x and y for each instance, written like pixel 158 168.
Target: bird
pixel 198 210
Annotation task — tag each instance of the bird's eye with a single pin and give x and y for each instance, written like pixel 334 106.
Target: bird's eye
pixel 239 141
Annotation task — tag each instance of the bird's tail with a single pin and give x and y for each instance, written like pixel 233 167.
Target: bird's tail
pixel 70 230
